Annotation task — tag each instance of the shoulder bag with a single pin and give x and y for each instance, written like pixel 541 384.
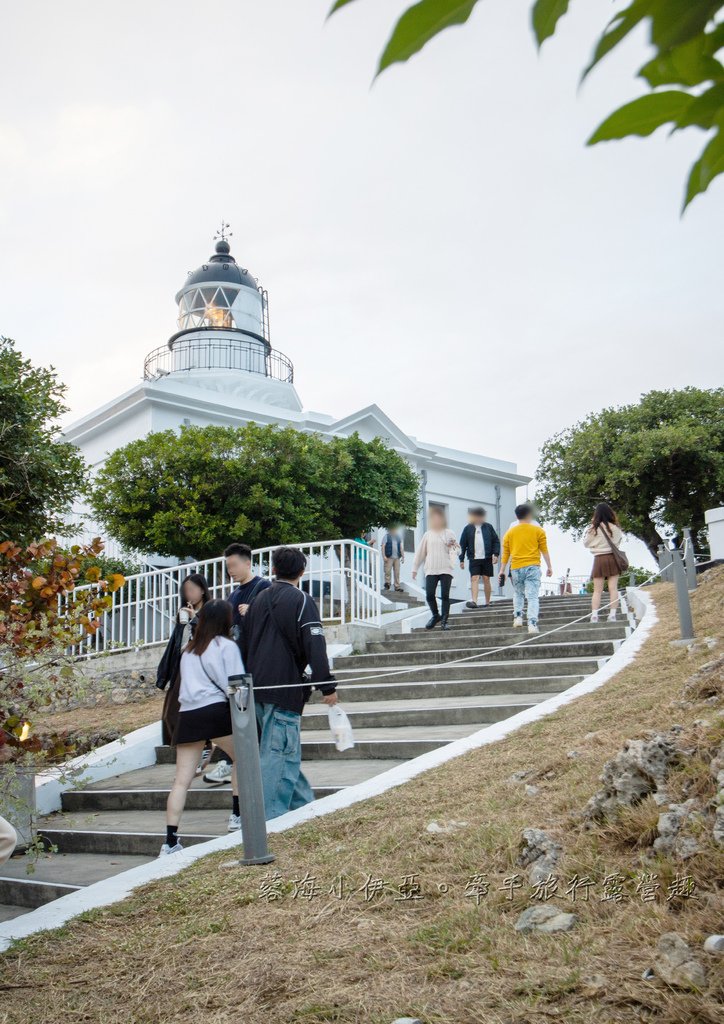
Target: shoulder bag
pixel 619 557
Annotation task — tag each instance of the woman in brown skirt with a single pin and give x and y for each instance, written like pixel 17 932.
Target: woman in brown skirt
pixel 604 528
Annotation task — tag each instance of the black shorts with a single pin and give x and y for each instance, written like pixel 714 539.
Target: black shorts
pixel 209 722
pixel 481 567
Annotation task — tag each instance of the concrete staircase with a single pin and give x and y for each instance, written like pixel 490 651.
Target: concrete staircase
pixel 427 698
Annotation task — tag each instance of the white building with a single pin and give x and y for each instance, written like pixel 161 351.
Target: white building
pixel 219 368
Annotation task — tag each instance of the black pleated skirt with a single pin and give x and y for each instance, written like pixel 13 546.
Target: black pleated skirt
pixel 208 723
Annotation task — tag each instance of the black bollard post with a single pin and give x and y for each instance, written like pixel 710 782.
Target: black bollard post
pixel 248 768
pixel 682 597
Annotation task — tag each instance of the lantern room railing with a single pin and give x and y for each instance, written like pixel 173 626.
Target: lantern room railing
pixel 209 353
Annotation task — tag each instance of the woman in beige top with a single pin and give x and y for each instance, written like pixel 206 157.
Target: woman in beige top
pixel 603 526
pixel 436 548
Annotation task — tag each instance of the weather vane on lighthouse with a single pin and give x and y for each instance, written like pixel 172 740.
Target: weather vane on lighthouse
pixel 223 234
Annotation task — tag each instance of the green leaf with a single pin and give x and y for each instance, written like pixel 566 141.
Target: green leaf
pixel 688 64
pixel 545 15
pixel 706 110
pixel 707 167
pixel 643 116
pixel 336 6
pixel 676 21
pixel 617 29
pixel 421 23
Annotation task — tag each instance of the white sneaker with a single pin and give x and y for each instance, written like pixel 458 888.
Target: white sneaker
pixel 166 849
pixel 234 822
pixel 517 622
pixel 594 616
pixel 532 628
pixel 612 615
pixel 219 774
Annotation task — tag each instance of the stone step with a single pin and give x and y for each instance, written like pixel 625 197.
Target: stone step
pixel 393 688
pixel 29 893
pixel 147 788
pixel 528 651
pixel 115 844
pixel 546 604
pixel 425 712
pixel 546 620
pixel 110 834
pixel 402 597
pixel 508 671
pixel 404 742
pixel 459 625
pixel 9 911
pixel 440 639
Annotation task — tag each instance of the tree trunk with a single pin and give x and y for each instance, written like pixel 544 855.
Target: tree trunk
pixel 652 539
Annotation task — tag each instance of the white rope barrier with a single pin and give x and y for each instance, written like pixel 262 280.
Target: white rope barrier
pixel 365 682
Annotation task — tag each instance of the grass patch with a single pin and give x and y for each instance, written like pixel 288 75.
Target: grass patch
pixel 375 918
pixel 105 717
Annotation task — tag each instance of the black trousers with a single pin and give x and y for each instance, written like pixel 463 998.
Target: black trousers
pixel 431 582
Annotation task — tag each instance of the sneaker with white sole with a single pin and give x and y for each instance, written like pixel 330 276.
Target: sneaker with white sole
pixel 234 822
pixel 517 622
pixel 612 615
pixel 594 616
pixel 166 849
pixel 219 774
pixel 532 628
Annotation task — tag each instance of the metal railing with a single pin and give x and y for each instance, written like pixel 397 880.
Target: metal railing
pixel 209 353
pixel 343 577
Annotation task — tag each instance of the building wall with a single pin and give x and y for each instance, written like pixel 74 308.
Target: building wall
pixel 213 398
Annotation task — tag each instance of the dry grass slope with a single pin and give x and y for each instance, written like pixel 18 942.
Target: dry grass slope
pixel 206 945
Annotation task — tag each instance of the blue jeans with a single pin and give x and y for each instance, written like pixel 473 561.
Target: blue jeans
pixel 526 587
pixel 280 751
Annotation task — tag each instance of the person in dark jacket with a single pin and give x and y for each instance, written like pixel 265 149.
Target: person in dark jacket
pixel 246 584
pixel 481 544
pixel 282 635
pixel 193 596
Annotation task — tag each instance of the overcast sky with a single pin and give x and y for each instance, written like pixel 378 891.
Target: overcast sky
pixel 441 243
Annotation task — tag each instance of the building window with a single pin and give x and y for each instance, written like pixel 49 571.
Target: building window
pixel 409 541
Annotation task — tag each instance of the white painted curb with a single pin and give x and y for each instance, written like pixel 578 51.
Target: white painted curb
pixel 136 750
pixel 111 890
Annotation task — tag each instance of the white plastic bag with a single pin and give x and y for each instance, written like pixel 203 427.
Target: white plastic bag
pixel 341 728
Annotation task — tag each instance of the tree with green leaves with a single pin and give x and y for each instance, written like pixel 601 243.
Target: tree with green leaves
pixel 684 77
pixel 190 494
pixel 660 463
pixel 40 475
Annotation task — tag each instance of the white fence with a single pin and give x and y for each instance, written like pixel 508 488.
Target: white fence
pixel 343 576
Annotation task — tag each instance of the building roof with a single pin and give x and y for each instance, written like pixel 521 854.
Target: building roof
pixel 221 268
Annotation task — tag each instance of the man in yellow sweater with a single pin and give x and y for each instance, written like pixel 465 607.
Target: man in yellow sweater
pixel 523 545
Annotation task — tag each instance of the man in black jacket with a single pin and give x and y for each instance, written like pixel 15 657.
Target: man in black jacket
pixel 282 635
pixel 481 544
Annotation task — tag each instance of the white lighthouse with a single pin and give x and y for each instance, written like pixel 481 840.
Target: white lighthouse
pixel 223 342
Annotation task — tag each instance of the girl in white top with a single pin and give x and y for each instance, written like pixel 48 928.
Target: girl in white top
pixel 208 662
pixel 602 528
pixel 436 550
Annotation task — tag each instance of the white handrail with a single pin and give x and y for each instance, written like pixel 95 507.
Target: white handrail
pixel 343 576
